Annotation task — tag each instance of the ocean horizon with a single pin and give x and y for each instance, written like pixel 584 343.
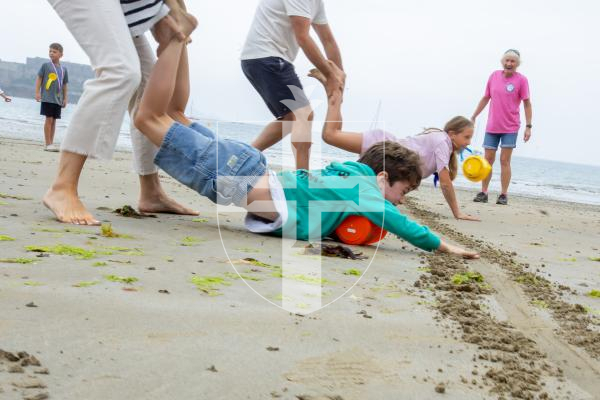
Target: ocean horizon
pixel 557 180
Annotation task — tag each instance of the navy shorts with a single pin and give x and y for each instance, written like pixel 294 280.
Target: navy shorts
pixel 50 110
pixel 505 140
pixel 272 78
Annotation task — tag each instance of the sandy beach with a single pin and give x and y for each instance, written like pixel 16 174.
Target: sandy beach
pixel 157 311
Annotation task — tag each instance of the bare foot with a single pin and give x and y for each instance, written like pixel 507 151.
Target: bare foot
pixel 68 208
pixel 163 204
pixel 318 75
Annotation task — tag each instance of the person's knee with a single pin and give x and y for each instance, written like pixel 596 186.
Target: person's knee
pixel 505 162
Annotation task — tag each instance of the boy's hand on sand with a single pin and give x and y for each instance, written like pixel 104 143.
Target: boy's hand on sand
pixel 459 251
pixel 467 217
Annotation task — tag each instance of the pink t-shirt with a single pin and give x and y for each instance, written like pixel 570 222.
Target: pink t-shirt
pixel 433 148
pixel 506 94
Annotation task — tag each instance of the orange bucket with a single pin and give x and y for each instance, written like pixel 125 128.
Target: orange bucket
pixel 357 230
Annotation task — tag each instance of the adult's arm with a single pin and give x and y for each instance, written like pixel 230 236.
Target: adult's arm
pixel 301 27
pixel 528 118
pixel 332 50
pixel 480 107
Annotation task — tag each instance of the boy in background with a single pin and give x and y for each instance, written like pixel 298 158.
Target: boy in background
pixel 51 91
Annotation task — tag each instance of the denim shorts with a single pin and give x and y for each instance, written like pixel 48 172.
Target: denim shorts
pixel 273 78
pixel 505 140
pixel 223 170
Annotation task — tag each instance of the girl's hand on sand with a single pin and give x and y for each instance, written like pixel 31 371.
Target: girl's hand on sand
pixel 459 251
pixel 467 217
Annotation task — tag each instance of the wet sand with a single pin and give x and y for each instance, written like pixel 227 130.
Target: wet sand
pixel 159 312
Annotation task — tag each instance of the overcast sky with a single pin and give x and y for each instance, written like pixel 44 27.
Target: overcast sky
pixel 426 61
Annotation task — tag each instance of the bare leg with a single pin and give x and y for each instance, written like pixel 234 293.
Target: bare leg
pixel 53 130
pixel 182 91
pixel 490 156
pixel 62 198
pixel 152 117
pixel 302 136
pixel 274 132
pixel 48 134
pixel 506 171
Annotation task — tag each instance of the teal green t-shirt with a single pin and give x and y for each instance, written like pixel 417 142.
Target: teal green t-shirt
pixel 319 201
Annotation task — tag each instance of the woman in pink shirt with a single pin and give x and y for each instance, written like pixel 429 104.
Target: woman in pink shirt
pixel 506 89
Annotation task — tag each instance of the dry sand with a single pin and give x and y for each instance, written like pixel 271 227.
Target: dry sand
pixel 416 326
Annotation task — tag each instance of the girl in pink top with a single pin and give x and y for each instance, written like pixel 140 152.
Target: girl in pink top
pixel 506 89
pixel 437 148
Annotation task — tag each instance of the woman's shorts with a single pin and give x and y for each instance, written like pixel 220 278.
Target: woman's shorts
pixel 274 79
pixel 504 140
pixel 223 170
pixel 50 110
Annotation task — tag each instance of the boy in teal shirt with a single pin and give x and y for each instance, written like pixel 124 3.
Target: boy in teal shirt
pixel 304 205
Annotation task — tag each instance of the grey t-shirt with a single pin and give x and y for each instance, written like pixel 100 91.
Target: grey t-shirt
pixel 53 79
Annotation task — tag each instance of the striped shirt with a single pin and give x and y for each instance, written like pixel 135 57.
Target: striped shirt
pixel 141 15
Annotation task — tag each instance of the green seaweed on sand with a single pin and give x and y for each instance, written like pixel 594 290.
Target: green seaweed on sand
pixel 4 238
pixel 86 284
pixel 64 250
pixel 353 271
pixel 394 295
pixel 249 250
pixel 540 304
pixel 467 277
pixel 8 196
pixel 99 264
pixel 106 230
pixel 233 275
pixel 3 203
pixel 130 212
pixel 125 251
pixel 531 280
pixel 17 260
pixel 596 259
pixel 189 241
pixel 33 284
pixel 200 220
pixel 303 278
pixel 121 279
pixel 573 259
pixel 208 284
pixel 594 293
pixel 424 269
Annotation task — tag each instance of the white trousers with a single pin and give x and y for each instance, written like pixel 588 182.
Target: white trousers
pixel 120 65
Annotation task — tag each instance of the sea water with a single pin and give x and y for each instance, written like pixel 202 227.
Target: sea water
pixel 531 177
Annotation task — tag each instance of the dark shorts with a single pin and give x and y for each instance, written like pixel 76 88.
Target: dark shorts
pixel 272 78
pixel 50 110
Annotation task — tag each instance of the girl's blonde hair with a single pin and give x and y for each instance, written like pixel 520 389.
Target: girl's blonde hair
pixel 456 124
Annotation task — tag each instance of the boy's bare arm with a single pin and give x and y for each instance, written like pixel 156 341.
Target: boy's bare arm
pixel 38 87
pixel 65 95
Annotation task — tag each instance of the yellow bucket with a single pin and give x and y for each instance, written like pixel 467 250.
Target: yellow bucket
pixel 476 168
